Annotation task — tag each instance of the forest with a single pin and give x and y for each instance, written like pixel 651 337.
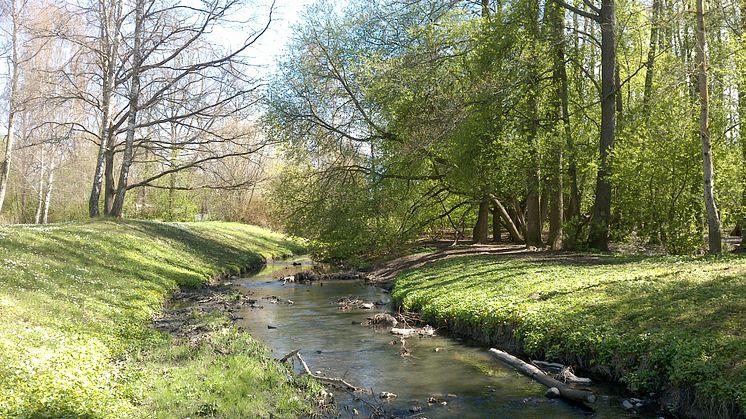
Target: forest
pixel 574 125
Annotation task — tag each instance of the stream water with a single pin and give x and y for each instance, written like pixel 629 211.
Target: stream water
pixel 334 343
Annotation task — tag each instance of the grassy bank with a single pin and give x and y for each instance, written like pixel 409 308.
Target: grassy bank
pixel 76 339
pixel 675 327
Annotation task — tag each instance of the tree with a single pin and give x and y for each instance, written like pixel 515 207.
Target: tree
pixel 605 16
pixel 14 14
pixel 713 217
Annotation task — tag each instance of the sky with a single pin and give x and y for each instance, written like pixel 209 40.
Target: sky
pixel 273 43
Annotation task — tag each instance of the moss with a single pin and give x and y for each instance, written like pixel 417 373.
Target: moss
pixel 77 302
pixel 659 325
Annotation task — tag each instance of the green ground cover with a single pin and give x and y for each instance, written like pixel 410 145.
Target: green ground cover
pixel 675 327
pixel 77 303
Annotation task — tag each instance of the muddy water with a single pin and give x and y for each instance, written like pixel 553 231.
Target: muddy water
pixel 334 343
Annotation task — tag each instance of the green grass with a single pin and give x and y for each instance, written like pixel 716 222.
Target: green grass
pixel 77 302
pixel 671 326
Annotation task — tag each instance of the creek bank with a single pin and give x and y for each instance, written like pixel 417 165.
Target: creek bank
pixel 79 302
pixel 618 319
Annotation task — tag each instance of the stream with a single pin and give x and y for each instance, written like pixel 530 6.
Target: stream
pixel 334 343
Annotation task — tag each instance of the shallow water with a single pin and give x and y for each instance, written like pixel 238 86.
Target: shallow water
pixel 334 343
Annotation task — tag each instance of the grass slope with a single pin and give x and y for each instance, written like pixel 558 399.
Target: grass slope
pixel 77 301
pixel 665 325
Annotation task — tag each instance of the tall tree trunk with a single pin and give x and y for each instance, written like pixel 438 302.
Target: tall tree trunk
pixel 741 70
pixel 481 229
pixel 134 96
pixel 652 51
pixel 559 76
pixel 598 237
pixel 713 217
pixel 533 204
pixel 109 45
pixel 12 99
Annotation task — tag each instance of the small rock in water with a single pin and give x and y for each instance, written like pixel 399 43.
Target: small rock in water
pixel 367 306
pixel 271 327
pixel 438 349
pixel 355 412
pixel 627 405
pixel 290 302
pixel 415 409
pixel 386 395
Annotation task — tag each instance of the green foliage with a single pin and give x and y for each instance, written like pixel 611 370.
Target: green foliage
pixel 78 301
pixel 435 106
pixel 653 323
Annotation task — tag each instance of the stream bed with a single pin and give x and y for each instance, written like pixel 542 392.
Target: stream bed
pixel 334 343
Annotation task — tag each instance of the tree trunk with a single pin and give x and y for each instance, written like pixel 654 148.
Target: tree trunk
pixel 741 72
pixel 496 230
pixel 134 96
pixel 598 237
pixel 533 204
pixel 652 51
pixel 48 194
pixel 12 98
pixel 713 218
pixel 40 191
pixel 515 235
pixel 559 76
pixel 481 229
pixel 109 44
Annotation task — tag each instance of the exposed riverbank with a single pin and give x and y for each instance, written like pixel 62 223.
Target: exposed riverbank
pixel 79 302
pixel 672 329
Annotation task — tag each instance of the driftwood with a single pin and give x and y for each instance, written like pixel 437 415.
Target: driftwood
pixel 562 372
pixel 565 391
pixel 422 331
pixel 329 380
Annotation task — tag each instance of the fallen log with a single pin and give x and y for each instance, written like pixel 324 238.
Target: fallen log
pixel 563 372
pixel 565 391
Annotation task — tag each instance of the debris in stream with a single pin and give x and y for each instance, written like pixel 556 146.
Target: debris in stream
pixel 385 395
pixel 273 299
pixel 562 373
pixel 349 303
pixel 403 351
pixel 426 331
pixel 382 319
pixel 311 276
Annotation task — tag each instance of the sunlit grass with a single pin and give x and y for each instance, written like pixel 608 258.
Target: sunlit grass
pixel 657 324
pixel 77 301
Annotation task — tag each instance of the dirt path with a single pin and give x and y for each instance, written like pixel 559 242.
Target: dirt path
pixel 385 273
